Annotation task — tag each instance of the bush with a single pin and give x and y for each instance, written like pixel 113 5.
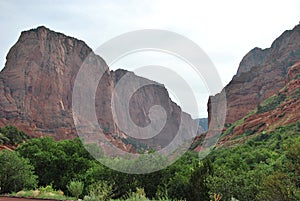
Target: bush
pixel 75 188
pixel 276 187
pixel 16 173
pixel 139 195
pixel 298 126
pixel 56 163
pixel 99 191
pixel 3 139
pixel 46 192
pixel 271 103
pixel 12 135
pixel 46 189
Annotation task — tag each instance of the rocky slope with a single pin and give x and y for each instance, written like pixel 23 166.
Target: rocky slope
pixel 264 94
pixel 261 74
pixel 280 109
pixel 36 92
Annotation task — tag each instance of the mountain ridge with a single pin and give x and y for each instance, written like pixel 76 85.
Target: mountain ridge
pixel 258 79
pixel 263 95
pixel 36 91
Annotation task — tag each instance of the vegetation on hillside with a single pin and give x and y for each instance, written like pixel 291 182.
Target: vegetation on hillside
pixel 266 167
pixel 10 135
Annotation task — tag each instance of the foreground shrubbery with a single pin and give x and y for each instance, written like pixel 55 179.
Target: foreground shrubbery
pixel 43 192
pixel 100 193
pixel 16 173
pixel 264 168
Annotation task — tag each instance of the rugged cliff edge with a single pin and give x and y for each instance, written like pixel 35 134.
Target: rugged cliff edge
pixel 261 74
pixel 36 91
pixel 280 109
pixel 263 95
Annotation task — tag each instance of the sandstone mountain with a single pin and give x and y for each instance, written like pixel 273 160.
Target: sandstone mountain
pixel 36 92
pixel 261 74
pixel 38 78
pixel 264 93
pixel 280 109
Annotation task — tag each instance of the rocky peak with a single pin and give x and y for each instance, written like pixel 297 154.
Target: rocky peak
pixel 284 47
pixel 36 91
pixel 256 57
pixel 261 74
pixel 280 109
pixel 289 39
pixel 37 80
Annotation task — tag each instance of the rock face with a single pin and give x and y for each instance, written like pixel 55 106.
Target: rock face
pixel 281 109
pixel 263 95
pixel 261 74
pixel 37 81
pixel 36 91
pixel 256 57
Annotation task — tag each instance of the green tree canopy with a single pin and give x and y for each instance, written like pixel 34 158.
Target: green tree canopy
pixel 16 173
pixel 56 162
pixel 12 135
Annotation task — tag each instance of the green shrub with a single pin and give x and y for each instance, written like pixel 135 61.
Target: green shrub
pixel 276 187
pixel 99 191
pixel 230 127
pixel 271 103
pixel 56 163
pixel 16 173
pixel 3 139
pixel 298 126
pixel 43 192
pixel 75 188
pixel 139 195
pixel 46 189
pixel 90 198
pixel 12 135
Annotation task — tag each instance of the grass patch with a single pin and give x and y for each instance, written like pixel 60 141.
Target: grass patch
pixel 271 103
pixel 231 127
pixel 44 193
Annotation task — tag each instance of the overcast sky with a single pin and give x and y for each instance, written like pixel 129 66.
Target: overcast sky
pixel 225 29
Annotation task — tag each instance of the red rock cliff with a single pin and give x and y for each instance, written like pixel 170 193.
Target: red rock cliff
pixel 36 90
pixel 261 74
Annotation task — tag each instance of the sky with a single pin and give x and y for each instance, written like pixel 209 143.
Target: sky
pixel 225 30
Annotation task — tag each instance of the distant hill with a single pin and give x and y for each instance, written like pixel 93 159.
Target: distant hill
pixel 203 122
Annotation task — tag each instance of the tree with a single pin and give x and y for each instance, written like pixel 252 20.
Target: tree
pixel 56 162
pixel 3 139
pixel 99 191
pixel 293 163
pixel 16 173
pixel 198 181
pixel 175 179
pixel 14 135
pixel 276 187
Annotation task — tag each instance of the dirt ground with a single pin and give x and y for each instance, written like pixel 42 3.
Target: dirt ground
pixel 22 199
